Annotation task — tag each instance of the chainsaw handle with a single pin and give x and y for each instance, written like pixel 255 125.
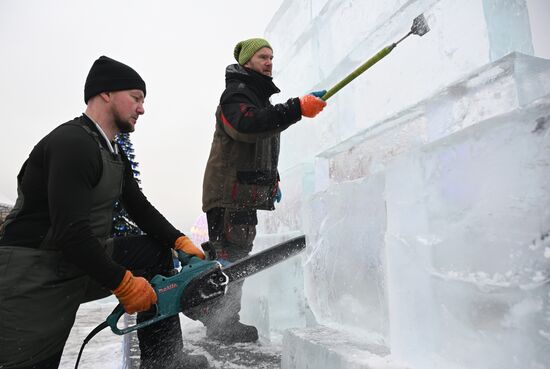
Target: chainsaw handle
pixel 186 258
pixel 169 291
pixel 183 257
pixel 118 312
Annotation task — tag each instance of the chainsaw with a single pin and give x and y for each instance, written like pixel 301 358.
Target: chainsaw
pixel 197 282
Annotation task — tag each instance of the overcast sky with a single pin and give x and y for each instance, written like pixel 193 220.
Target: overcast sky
pixel 180 48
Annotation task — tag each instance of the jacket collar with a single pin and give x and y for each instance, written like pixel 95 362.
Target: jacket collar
pixel 262 84
pixel 112 147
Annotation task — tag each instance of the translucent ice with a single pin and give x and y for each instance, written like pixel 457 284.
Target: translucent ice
pixel 344 264
pixel 273 300
pixel 491 90
pixel 326 348
pixel 427 221
pixel 479 294
pixel 465 35
pixel 431 232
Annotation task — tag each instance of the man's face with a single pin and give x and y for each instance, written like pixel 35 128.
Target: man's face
pixel 261 61
pixel 126 107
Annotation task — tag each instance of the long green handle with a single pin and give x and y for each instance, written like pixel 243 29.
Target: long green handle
pixel 366 65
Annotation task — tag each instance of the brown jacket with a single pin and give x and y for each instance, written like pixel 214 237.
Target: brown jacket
pixel 241 172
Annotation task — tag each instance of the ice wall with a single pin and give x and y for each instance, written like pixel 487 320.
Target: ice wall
pixel 317 43
pixel 422 189
pixel 274 299
pixel 497 88
pixel 468 247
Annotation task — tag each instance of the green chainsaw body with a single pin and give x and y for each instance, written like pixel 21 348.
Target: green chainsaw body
pixel 198 281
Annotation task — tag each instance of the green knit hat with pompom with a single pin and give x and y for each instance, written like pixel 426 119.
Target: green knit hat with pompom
pixel 246 49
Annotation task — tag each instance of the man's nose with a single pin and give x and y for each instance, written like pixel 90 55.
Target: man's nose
pixel 140 109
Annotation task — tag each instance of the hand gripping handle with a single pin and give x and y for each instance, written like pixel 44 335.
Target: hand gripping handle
pixel 183 257
pixel 171 291
pixel 114 317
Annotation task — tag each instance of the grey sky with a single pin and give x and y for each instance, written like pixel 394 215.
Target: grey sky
pixel 180 48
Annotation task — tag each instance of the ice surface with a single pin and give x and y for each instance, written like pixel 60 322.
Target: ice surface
pixel 326 348
pixel 344 267
pixel 497 88
pixel 273 300
pixel 468 218
pixel 344 34
pixel 427 219
pixel 507 14
pixel 104 350
pixel 431 233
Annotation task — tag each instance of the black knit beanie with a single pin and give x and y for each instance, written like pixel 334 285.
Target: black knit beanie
pixel 108 75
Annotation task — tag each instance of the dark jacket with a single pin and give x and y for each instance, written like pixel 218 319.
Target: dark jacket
pixel 55 201
pixel 241 172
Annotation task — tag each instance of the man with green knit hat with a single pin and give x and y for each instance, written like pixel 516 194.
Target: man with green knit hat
pixel 241 174
pixel 245 50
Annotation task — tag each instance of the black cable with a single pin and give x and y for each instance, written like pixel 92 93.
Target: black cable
pixel 95 331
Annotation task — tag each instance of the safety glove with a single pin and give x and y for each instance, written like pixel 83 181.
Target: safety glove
pixel 319 94
pixel 135 293
pixel 185 249
pixel 311 104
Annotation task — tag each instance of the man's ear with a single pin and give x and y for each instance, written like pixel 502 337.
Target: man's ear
pixel 106 96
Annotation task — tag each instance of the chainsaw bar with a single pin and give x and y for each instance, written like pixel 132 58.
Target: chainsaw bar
pixel 214 282
pixel 255 263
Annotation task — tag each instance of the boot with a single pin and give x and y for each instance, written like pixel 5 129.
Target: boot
pixel 221 316
pixel 234 332
pixel 161 346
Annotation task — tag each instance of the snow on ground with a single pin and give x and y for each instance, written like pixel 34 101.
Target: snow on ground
pixel 260 355
pixel 104 351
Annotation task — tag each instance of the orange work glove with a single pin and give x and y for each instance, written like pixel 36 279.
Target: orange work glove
pixel 135 293
pixel 311 105
pixel 183 243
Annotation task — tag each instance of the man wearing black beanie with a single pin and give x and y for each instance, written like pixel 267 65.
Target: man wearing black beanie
pixel 55 245
pixel 108 74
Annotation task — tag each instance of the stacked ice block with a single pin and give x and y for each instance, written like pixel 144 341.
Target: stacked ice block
pixel 423 188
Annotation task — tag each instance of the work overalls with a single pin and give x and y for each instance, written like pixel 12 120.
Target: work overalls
pixel 40 291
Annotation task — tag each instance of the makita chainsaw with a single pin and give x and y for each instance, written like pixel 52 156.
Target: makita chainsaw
pixel 197 282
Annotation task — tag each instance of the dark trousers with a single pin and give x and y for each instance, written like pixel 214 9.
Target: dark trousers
pixel 232 234
pixel 161 342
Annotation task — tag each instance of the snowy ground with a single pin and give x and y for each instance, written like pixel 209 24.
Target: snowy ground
pixel 105 350
pixel 261 355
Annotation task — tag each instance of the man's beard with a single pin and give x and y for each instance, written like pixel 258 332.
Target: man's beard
pixel 124 126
